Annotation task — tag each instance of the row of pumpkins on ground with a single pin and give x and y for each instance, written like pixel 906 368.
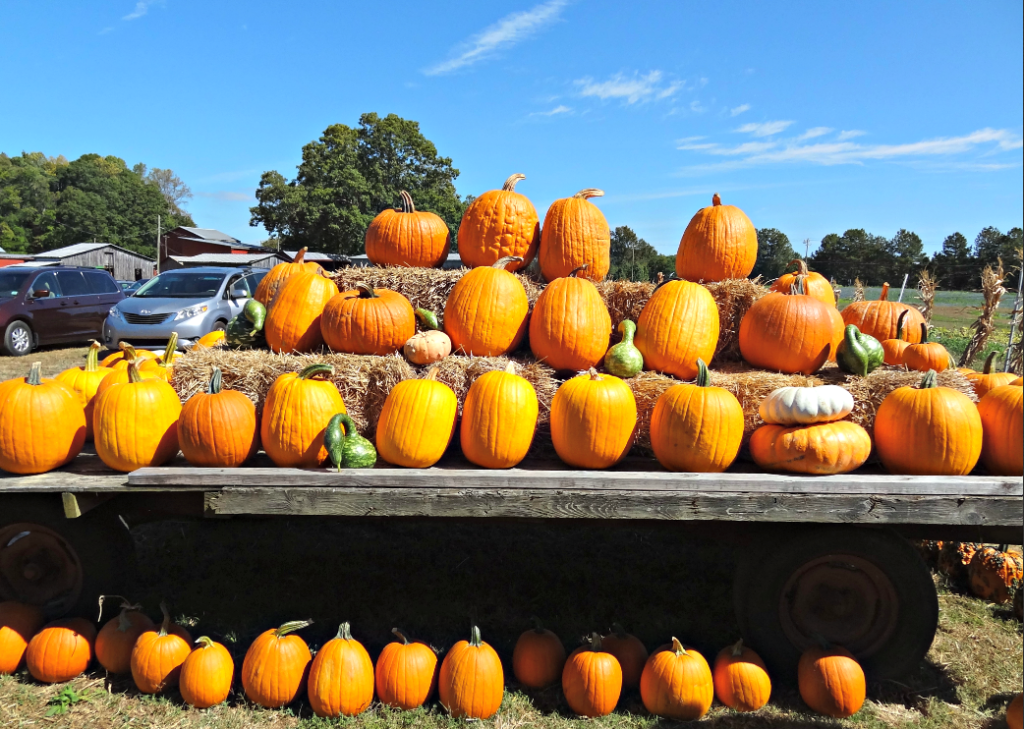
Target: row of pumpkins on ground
pixel 991 573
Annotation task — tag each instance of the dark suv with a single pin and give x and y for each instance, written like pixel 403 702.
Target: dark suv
pixel 53 305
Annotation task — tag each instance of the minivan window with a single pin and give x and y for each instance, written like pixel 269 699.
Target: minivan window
pixel 72 283
pixel 46 282
pixel 11 283
pixel 100 283
pixel 182 285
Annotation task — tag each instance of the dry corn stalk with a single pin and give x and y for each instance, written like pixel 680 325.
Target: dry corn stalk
pixel 836 289
pixel 926 286
pixel 983 326
pixel 858 289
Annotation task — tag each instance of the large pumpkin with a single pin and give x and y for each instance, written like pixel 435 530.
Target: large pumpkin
pixel 592 680
pixel 471 682
pixel 593 420
pixel 218 428
pixel 575 232
pixel 206 674
pixel 42 423
pixel 275 666
pixel 789 333
pixel 894 348
pixel 831 681
pixel 880 318
pixel 677 683
pixel 136 423
pixel 538 658
pixel 678 325
pixel 926 355
pixel 629 651
pixel 275 278
pixel 499 418
pixel 570 326
pixel 814 284
pixel 295 416
pixel 116 639
pixel 18 623
pixel 407 238
pixel 741 680
pixel 293 317
pixel 1002 420
pixel 121 377
pixel 158 655
pixel 719 243
pixel 985 380
pixel 367 321
pixel 697 427
pixel 928 430
pixel 994 573
pixel 85 381
pixel 486 311
pixel 341 677
pixel 819 449
pixel 406 673
pixel 417 422
pixel 60 651
pixel 499 223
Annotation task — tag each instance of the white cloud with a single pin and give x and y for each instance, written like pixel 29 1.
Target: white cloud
pixel 560 109
pixel 630 89
pixel 695 146
pixel 764 129
pixel 106 30
pixel 737 110
pixel 505 33
pixel 850 134
pixel 696 107
pixel 814 132
pixel 141 8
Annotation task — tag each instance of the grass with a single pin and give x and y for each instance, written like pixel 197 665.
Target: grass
pixel 54 360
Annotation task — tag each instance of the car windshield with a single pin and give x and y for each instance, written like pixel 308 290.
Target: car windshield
pixel 182 285
pixel 10 283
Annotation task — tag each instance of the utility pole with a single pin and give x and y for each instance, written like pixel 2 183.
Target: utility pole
pixel 158 244
pixel 807 248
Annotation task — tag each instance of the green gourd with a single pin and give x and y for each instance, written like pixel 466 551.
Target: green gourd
pixel 859 354
pixel 245 331
pixel 428 319
pixel 346 448
pixel 624 359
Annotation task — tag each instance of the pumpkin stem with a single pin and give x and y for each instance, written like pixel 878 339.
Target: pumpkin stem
pixel 899 323
pixel 366 292
pixel 677 647
pixel 92 357
pixel 133 373
pixel 299 258
pixel 427 318
pixel 801 266
pixel 619 631
pixel 124 604
pixel 589 193
pixel 407 206
pixel 291 627
pixel 502 262
pixel 215 381
pixel 510 183
pixel 344 631
pixel 628 329
pixel 924 333
pixel 432 374
pixel 510 368
pixel 474 637
pixel 315 370
pixel 169 351
pixel 716 200
pixel 703 380
pixel 594 374
pixel 929 380
pixel 204 641
pixel 538 627
pixel 987 369
pixel 400 634
pixel 165 626
pixel 593 642
pixel 130 355
pixel 797 289
pixel 884 296
pixel 35 374
pixel 584 267
pixel 737 648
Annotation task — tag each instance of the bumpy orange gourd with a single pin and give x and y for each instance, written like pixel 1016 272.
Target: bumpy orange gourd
pixel 928 430
pixel 994 573
pixel 814 284
pixel 293 317
pixel 367 321
pixel 678 325
pixel 592 680
pixel 295 416
pixel 538 658
pixel 697 427
pixel 206 674
pixel 136 423
pixel 895 347
pixel 60 651
pixel 499 418
pixel 85 381
pixel 406 673
pixel 341 677
pixel 677 683
pixel 926 355
pixel 116 639
pixel 407 238
pixel 275 666
pixel 880 318
pixel 987 380
pixel 218 428
pixel 212 339
pixel 1002 420
pixel 42 423
pixel 720 242
pixel 820 449
pixel 789 333
pixel 471 682
pixel 570 326
pixel 486 311
pixel 593 420
pixel 831 681
pixel 955 557
pixel 629 651
pixel 158 655
pixel 270 284
pixel 1015 712
pixel 741 680
pixel 575 232
pixel 18 623
pixel 417 422
pixel 499 223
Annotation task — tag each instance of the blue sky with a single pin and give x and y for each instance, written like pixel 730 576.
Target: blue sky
pixel 814 117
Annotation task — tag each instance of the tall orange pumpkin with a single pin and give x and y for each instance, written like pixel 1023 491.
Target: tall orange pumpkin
pixel 678 325
pixel 275 278
pixel 486 311
pixel 895 347
pixel 575 232
pixel 18 623
pixel 789 333
pixel 741 680
pixel 60 651
pixel 1002 420
pixel 218 428
pixel 275 666
pixel 831 681
pixel 880 318
pixel 406 673
pixel 136 423
pixel 593 420
pixel 116 639
pixel 592 679
pixel 499 223
pixel 987 380
pixel 295 416
pixel 926 355
pixel 417 422
pixel 570 326
pixel 158 655
pixel 719 243
pixel 499 418
pixel 367 321
pixel 206 674
pixel 407 238
pixel 538 658
pixel 629 651
pixel 677 683
pixel 341 677
pixel 293 317
pixel 471 682
pixel 85 381
pixel 814 284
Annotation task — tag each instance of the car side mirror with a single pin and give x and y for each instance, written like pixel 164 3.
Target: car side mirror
pixel 239 293
pixel 40 293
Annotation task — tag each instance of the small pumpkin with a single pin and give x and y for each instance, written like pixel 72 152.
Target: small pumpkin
pixel 1002 419
pixel 158 654
pixel 719 242
pixel 538 658
pixel 624 359
pixel 677 683
pixel 293 317
pixel 895 347
pixel 820 449
pixel 814 284
pixel 429 345
pixel 245 331
pixel 18 623
pixel 367 321
pixel 162 366
pixel 792 333
pixel 295 416
pixel 678 325
pixel 831 681
pixel 926 355
pixel 880 318
pixel 42 423
pixel 486 311
pixel 993 573
pixel 629 651
pixel 575 232
pixel 60 651
pixel 85 381
pixel 346 448
pixel 417 422
pixel 116 639
pixel 499 223
pixel 406 673
pixel 407 238
pixel 275 666
pixel 741 680
pixel 218 428
pixel 806 405
pixel 570 325
pixel 985 380
pixel 206 674
pixel 954 559
pixel 859 354
pixel 1015 713
pixel 592 679
pixel 341 677
pixel 216 338
pixel 499 418
pixel 270 284
pixel 593 420
pixel 471 682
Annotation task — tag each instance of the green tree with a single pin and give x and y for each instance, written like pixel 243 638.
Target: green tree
pixel 855 253
pixel 635 259
pixel 955 265
pixel 990 245
pixel 906 255
pixel 348 176
pixel 172 187
pixel 774 253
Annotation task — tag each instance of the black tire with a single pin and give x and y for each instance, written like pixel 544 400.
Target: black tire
pixel 902 616
pixel 219 326
pixel 18 339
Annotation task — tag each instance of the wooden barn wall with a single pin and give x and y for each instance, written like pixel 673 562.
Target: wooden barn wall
pixel 124 262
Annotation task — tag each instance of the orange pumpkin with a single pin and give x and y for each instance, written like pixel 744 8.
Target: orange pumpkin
pixel 678 325
pixel 406 673
pixel 341 677
pixel 789 333
pixel 994 573
pixel 163 366
pixel 1019 382
pixel 677 683
pixel 293 317
pixel 275 278
pixel 593 420
pixel 499 223
pixel 367 321
pixel 926 355
pixel 18 623
pixel 1015 713
pixel 986 380
pixel 880 318
pixel 85 381
pixel 575 232
pixel 295 416
pixel 120 377
pixel 275 666
pixel 206 674
pixel 592 680
pixel 486 311
pixel 158 654
pixel 538 658
pixel 60 651
pixel 471 683
pixel 1002 422
pixel 116 639
pixel 407 238
pixel 499 418
pixel 814 284
pixel 741 680
pixel 831 681
pixel 629 651
pixel 697 427
pixel 570 326
pixel 427 347
pixel 894 348
pixel 928 430
pixel 720 242
pixel 218 428
pixel 417 422
pixel 820 449
pixel 127 354
pixel 42 423
pixel 214 338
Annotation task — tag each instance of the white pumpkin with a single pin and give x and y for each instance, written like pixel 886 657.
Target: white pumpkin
pixel 806 405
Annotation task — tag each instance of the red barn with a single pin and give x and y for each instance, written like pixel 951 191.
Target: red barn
pixel 185 242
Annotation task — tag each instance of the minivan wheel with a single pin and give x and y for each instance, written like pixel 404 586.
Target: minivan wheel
pixel 18 339
pixel 219 326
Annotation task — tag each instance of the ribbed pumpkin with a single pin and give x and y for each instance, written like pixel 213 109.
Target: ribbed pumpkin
pixel 158 655
pixel 341 677
pixel 570 327
pixel 206 674
pixel 293 317
pixel 538 658
pixel 985 380
pixel 678 325
pixel 831 681
pixel 406 673
pixel 894 348
pixel 575 232
pixel 593 420
pixel 926 355
pixel 275 278
pixel 789 333
pixel 1002 420
pixel 499 223
pixel 719 243
pixel 697 427
pixel 880 318
pixel 42 423
pixel 486 311
pixel 741 680
pixel 120 377
pixel 136 423
pixel 928 430
pixel 814 284
pixel 85 381
pixel 629 651
pixel 18 623
pixel 212 339
pixel 417 422
pixel 499 418
pixel 820 449
pixel 295 415
pixel 218 428
pixel 367 321
pixel 127 353
pixel 275 666
pixel 162 366
pixel 993 573
pixel 592 679
pixel 1015 712
pixel 60 651
pixel 677 683
pixel 471 682
pixel 116 639
pixel 407 238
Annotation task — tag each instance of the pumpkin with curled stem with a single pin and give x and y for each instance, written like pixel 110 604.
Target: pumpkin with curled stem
pixel 806 405
pixel 570 325
pixel 820 449
pixel 677 683
pixel 831 681
pixel 499 223
pixel 274 669
pixel 471 682
pixel 158 655
pixel 406 673
pixel 408 237
pixel 624 359
pixel 592 679
pixel 719 242
pixel 575 232
pixel 814 284
pixel 894 348
pixel 486 312
pixel 117 638
pixel 926 355
pixel 1002 419
pixel 206 674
